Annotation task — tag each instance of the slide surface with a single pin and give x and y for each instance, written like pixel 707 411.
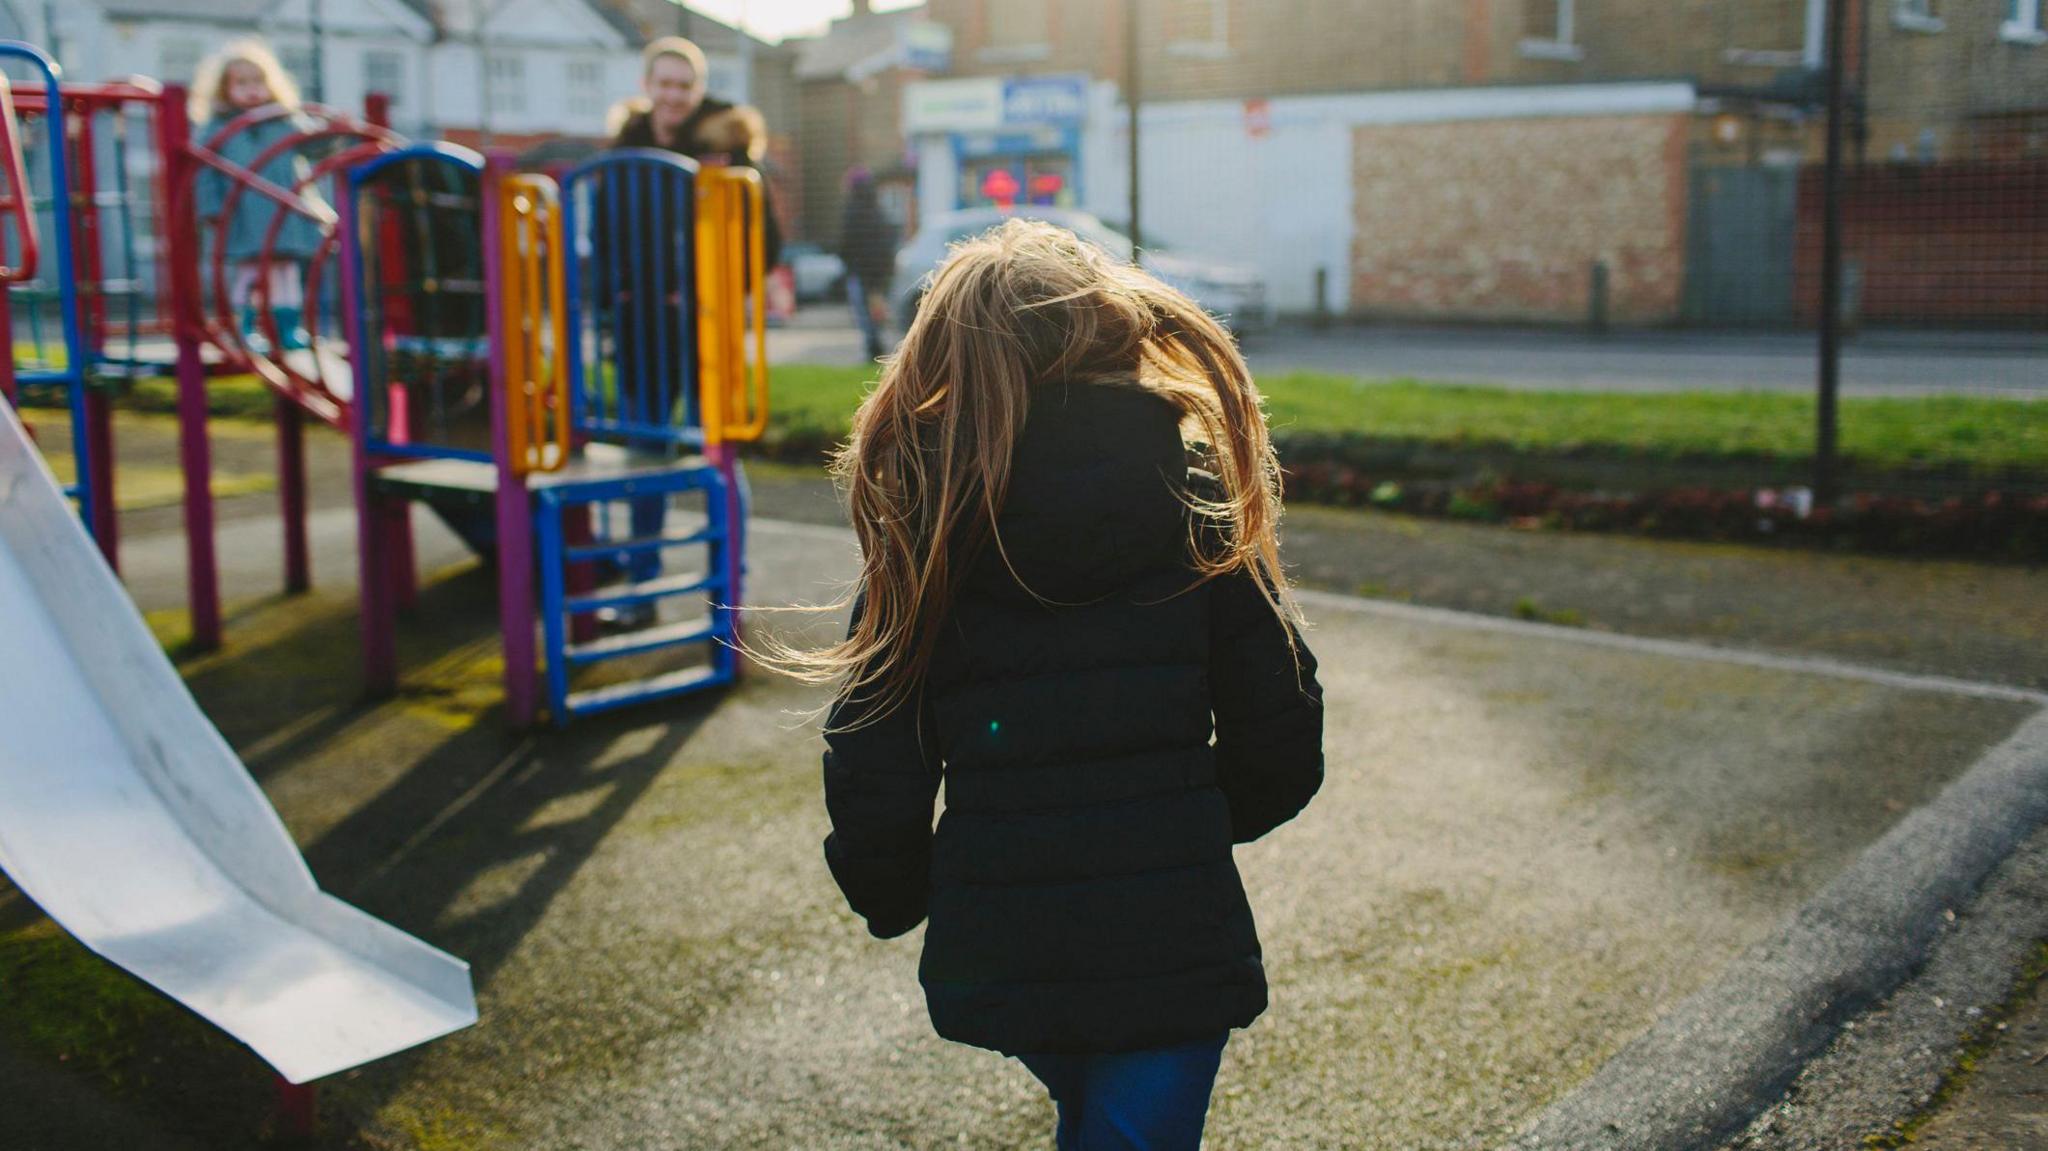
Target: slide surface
pixel 127 817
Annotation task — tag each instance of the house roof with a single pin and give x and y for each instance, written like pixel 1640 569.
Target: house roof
pixel 851 42
pixel 242 13
pixel 644 20
pixel 212 11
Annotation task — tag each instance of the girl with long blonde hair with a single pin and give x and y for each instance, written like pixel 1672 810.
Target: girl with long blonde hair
pixel 1072 612
pixel 242 79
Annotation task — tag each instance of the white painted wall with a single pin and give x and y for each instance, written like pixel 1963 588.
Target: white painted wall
pixel 538 42
pixel 441 86
pixel 1280 202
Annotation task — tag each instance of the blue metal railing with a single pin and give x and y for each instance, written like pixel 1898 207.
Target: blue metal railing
pixel 71 375
pixel 630 220
pixel 369 305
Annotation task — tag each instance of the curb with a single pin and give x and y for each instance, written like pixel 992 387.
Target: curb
pixel 1701 1073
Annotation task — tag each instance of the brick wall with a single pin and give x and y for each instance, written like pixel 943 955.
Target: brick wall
pixel 1503 220
pixel 845 124
pixel 1947 245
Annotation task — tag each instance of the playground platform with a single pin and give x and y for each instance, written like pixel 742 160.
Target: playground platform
pixel 1533 844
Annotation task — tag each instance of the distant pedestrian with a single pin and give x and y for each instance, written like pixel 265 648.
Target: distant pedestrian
pixel 867 245
pixel 1055 613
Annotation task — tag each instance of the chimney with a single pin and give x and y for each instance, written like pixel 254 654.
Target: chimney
pixel 861 8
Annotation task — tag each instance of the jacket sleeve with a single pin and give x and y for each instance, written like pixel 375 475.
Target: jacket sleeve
pixel 209 187
pixel 1268 708
pixel 881 777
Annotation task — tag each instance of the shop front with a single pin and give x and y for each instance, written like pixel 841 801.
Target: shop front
pixel 994 141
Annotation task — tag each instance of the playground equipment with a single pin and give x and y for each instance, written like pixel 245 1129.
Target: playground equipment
pixel 90 421
pixel 128 819
pixel 123 813
pixel 547 366
pixel 139 282
pixel 553 369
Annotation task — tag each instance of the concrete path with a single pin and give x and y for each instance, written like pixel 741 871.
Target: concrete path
pixel 1957 1058
pixel 1535 841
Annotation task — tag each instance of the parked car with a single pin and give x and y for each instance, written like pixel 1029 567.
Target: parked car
pixel 820 275
pixel 1233 293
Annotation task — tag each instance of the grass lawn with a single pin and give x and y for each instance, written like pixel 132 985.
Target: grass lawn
pixel 1887 434
pixel 813 402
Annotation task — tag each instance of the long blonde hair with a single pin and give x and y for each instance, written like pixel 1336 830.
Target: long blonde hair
pixel 927 467
pixel 208 100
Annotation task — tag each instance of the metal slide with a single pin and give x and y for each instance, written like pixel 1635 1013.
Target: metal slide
pixel 127 817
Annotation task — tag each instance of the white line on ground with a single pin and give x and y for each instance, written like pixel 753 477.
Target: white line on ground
pixel 1680 649
pixel 1642 645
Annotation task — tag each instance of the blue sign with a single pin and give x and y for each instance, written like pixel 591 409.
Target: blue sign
pixel 1031 100
pixel 927 47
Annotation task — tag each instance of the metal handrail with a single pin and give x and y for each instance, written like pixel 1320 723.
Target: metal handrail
pixel 15 171
pixel 536 351
pixel 733 303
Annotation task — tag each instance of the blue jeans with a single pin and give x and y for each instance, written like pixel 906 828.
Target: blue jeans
pixel 1131 1101
pixel 863 315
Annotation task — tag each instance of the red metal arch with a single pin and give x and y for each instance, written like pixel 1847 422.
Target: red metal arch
pixel 351 140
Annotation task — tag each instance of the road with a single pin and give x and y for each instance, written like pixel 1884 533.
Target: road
pixel 1879 364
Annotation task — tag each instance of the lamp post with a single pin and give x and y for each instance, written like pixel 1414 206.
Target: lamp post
pixel 1131 109
pixel 1831 264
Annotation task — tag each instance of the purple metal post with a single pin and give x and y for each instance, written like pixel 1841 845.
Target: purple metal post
pixel 725 456
pixel 378 622
pixel 405 568
pixel 291 491
pixel 515 516
pixel 8 387
pixel 195 460
pixel 181 235
pixel 402 571
pixel 298 1109
pixel 99 453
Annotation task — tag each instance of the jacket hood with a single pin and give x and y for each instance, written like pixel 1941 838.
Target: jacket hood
pixel 1095 495
pixel 632 123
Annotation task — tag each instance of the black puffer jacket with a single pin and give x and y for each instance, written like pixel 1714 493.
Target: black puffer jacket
pixel 1080 885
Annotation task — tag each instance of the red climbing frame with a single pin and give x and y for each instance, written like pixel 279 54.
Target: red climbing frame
pixel 311 381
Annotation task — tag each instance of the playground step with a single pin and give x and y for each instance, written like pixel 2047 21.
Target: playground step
pixel 645 592
pixel 645 544
pixel 642 641
pixel 639 691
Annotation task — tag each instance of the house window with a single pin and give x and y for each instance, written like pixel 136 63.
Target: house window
pixel 2023 22
pixel 177 59
pixel 1198 28
pixel 297 59
pixel 1918 16
pixel 384 71
pixel 1772 34
pixel 1549 33
pixel 586 87
pixel 1017 29
pixel 505 83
